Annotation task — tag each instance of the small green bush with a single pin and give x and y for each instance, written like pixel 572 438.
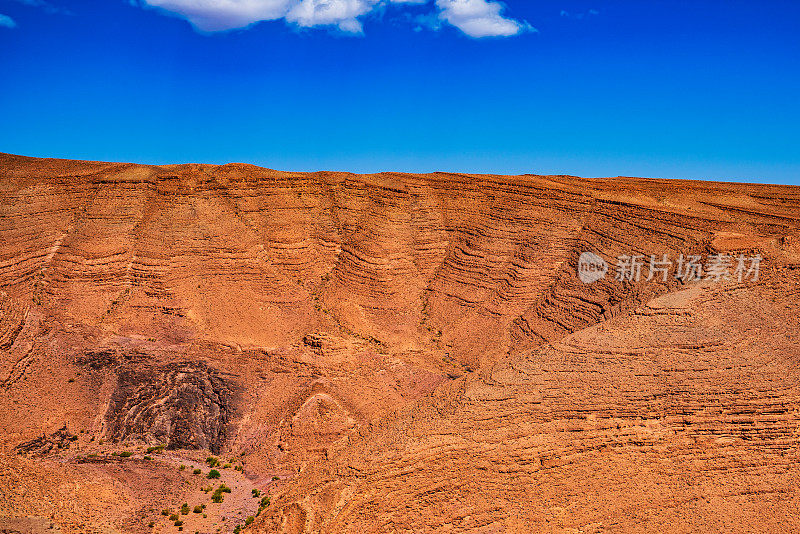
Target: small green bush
pixel 157 448
pixel 255 493
pixel 173 517
pixel 185 508
pixel 148 458
pixel 249 521
pixel 213 474
pixel 126 454
pixel 196 472
pixel 198 509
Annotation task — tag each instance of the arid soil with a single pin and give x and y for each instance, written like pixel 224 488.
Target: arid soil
pixel 390 353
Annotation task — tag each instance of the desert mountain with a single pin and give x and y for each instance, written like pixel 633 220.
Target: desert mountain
pixel 393 352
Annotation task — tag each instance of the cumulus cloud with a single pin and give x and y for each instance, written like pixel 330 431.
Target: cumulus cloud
pixel 218 15
pixel 479 18
pixel 476 18
pixel 7 22
pixel 342 13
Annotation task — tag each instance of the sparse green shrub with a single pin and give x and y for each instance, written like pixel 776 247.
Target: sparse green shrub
pixel 198 509
pixel 213 474
pixel 226 466
pixel 255 493
pixel 173 517
pixel 249 521
pixel 212 461
pixel 223 488
pixel 182 467
pixel 126 454
pixel 156 449
pixel 196 472
pixel 151 524
pixel 274 478
pixel 147 458
pixel 264 501
pixel 165 512
pixel 185 509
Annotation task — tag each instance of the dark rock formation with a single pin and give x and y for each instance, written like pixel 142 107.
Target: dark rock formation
pixel 60 439
pixel 182 405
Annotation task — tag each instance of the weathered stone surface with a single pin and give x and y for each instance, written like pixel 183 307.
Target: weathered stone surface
pixel 394 352
pixel 181 405
pixel 60 439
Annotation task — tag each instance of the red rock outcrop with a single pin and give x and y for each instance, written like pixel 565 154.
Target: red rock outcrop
pixel 398 353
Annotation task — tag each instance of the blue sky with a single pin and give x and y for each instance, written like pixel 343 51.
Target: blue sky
pixel 679 89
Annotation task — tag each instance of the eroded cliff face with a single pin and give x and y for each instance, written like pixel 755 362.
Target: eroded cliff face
pixel 394 352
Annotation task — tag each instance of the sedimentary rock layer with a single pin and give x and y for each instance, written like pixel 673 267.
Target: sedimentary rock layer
pixel 396 352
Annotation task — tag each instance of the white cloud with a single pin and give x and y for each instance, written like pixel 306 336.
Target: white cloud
pixel 7 22
pixel 342 13
pixel 218 15
pixel 479 18
pixel 476 18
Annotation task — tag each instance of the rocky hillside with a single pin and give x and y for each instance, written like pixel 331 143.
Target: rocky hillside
pixel 393 352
